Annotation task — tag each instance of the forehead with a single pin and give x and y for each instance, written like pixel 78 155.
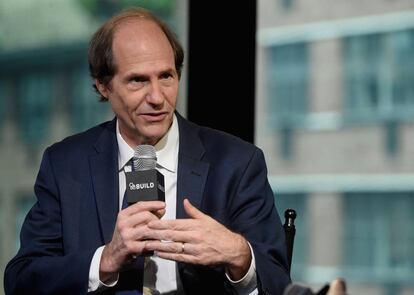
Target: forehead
pixel 140 38
pixel 135 25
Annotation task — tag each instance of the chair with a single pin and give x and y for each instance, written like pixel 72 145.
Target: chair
pixel 336 287
pixel 290 231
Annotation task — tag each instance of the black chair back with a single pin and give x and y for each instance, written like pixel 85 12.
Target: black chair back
pixel 290 231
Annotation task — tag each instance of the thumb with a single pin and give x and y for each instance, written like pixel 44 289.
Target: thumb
pixel 192 211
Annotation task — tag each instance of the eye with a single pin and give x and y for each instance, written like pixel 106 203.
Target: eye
pixel 137 79
pixel 166 75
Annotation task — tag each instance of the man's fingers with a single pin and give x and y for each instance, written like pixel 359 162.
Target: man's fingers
pixel 169 235
pixel 131 221
pixel 170 247
pixel 144 206
pixel 175 224
pixel 177 257
pixel 160 213
pixel 192 211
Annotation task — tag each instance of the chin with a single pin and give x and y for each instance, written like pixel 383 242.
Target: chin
pixel 156 135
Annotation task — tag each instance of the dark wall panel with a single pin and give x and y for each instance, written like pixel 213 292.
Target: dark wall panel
pixel 221 65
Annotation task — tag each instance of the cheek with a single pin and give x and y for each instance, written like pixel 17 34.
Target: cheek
pixel 122 105
pixel 171 96
pixel 130 102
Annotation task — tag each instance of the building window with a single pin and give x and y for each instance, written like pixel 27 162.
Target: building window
pixel 34 107
pixel 402 44
pixel 288 81
pixel 86 110
pixel 379 236
pixel 379 76
pixel 286 4
pixel 296 201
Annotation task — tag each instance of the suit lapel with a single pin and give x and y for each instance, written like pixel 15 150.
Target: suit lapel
pixel 192 175
pixel 191 181
pixel 104 171
pixel 192 172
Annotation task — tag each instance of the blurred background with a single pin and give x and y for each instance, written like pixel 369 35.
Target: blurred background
pixel 334 114
pixel 335 117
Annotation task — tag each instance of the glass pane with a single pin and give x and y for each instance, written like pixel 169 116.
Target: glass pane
pixel 402 44
pixel 34 107
pixel 85 108
pixel 362 63
pixel 288 81
pixel 379 74
pixel 378 232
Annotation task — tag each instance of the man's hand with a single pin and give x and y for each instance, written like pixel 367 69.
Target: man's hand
pixel 200 240
pixel 129 236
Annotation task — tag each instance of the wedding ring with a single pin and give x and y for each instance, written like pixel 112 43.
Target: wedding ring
pixel 182 247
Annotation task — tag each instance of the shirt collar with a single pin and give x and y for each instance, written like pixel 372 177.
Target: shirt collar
pixel 166 149
pixel 125 152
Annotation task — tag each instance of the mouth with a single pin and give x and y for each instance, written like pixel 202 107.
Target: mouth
pixel 154 117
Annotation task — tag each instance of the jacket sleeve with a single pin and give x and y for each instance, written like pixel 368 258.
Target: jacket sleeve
pixel 254 216
pixel 41 266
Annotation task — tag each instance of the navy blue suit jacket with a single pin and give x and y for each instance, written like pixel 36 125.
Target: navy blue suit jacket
pixel 77 205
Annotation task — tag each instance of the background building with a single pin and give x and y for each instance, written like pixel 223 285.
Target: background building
pixel 335 117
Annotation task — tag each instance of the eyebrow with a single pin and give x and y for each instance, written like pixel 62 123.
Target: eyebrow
pixel 146 76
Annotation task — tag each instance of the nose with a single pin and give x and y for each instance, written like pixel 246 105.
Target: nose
pixel 155 95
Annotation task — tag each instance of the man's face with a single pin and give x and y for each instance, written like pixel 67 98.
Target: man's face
pixel 143 91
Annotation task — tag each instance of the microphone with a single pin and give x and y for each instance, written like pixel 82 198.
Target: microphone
pixel 144 182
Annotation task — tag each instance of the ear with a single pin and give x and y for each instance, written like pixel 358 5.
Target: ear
pixel 103 89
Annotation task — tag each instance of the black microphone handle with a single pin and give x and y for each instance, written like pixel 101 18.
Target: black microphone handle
pixel 147 185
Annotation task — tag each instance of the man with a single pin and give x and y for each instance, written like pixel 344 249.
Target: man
pixel 218 231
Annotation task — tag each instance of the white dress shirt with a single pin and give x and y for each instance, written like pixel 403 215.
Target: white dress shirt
pixel 167 163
